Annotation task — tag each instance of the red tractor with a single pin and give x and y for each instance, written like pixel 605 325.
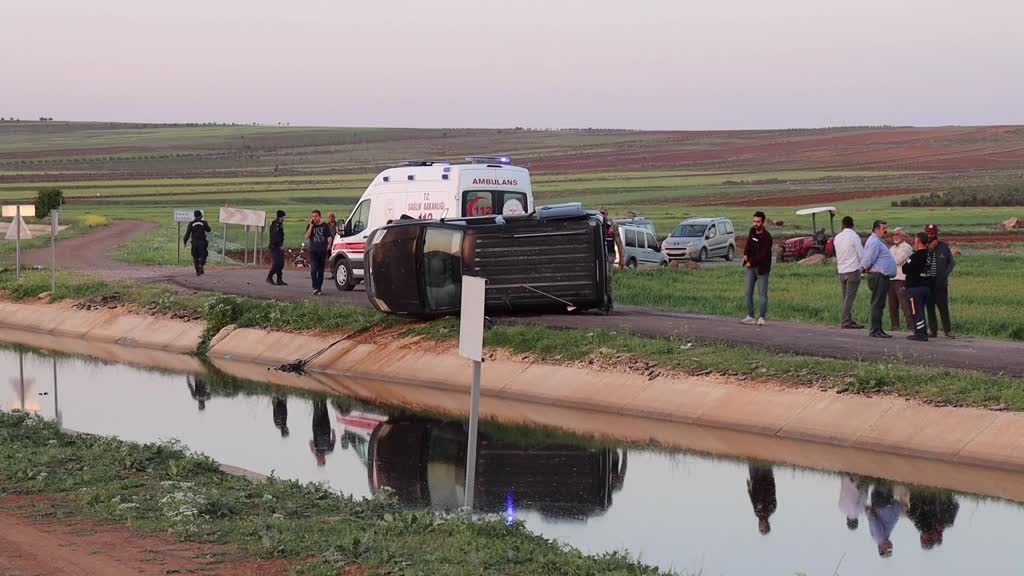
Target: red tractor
pixel 817 243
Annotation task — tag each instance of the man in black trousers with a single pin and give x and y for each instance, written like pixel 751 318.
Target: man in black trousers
pixel 197 231
pixel 277 250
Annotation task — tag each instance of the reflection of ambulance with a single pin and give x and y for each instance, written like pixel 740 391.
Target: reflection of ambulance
pixel 429 190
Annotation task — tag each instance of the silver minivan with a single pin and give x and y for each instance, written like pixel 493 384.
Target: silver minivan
pixel 641 247
pixel 700 239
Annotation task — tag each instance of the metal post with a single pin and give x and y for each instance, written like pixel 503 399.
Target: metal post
pixel 17 248
pixel 224 245
pixel 474 418
pixel 53 250
pixel 179 242
pixel 245 244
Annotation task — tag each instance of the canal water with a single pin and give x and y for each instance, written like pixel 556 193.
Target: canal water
pixel 680 511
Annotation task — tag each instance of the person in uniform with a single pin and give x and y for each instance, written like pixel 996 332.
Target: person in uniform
pixel 277 250
pixel 197 231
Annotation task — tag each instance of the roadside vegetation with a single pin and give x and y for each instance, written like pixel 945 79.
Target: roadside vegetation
pixel 985 293
pixel 992 195
pixel 597 348
pixel 161 488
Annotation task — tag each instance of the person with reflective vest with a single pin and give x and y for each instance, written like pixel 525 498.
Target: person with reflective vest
pixel 197 231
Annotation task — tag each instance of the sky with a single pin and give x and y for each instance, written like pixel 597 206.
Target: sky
pixel 654 64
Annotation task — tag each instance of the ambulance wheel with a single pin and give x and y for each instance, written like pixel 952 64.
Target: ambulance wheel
pixel 343 275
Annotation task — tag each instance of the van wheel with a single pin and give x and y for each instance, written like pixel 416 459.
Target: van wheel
pixel 343 275
pixel 663 264
pixel 703 256
pixel 731 254
pixel 631 263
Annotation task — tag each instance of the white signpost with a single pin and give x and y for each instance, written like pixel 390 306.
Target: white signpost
pixel 471 346
pixel 18 229
pixel 242 217
pixel 183 215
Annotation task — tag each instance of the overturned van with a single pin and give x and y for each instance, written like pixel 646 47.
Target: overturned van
pixel 553 260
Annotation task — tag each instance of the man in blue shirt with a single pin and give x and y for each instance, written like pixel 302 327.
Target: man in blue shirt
pixel 880 266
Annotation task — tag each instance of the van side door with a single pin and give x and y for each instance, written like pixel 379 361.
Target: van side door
pixel 653 252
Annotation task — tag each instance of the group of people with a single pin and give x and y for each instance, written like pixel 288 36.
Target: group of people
pixel 911 276
pixel 931 510
pixel 319 233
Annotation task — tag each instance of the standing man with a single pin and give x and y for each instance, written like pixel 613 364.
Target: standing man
pixel 197 231
pixel 878 264
pixel 943 264
pixel 332 221
pixel 849 252
pixel 277 250
pixel 917 271
pixel 757 259
pixel 898 301
pixel 319 235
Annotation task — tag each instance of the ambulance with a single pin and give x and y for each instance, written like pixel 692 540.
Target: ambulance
pixel 428 190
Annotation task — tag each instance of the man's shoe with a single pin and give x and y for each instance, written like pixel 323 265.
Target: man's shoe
pixel 316 292
pixel 760 321
pixel 748 320
pixel 918 337
pixel 933 334
pixel 852 326
pixel 950 336
pixel 270 280
pixel 280 282
pixel 880 334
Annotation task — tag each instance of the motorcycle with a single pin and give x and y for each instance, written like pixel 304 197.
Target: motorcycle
pixel 298 258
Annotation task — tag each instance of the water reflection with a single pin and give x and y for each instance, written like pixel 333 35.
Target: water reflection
pixel 680 510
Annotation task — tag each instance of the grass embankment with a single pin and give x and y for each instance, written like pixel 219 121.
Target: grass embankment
pixel 162 488
pixel 944 386
pixel 985 293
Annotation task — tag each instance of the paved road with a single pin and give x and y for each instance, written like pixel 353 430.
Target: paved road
pixel 91 252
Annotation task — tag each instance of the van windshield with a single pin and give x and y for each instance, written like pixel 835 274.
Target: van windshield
pixel 689 230
pixel 442 268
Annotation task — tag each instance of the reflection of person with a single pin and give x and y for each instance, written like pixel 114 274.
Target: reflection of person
pixel 197 231
pixel 883 514
pixel 322 443
pixel 281 415
pixel 200 390
pixel 932 511
pixel 853 498
pixel 761 488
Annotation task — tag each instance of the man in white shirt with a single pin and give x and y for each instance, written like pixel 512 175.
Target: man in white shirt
pixel 898 300
pixel 849 251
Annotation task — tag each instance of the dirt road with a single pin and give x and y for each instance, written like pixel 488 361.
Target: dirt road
pixel 33 541
pixel 990 356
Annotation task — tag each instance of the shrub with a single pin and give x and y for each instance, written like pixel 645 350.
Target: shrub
pixel 48 199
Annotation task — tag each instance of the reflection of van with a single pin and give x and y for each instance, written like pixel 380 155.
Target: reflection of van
pixel 700 239
pixel 428 190
pixel 641 247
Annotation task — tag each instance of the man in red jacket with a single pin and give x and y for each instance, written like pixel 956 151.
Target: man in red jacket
pixel 757 259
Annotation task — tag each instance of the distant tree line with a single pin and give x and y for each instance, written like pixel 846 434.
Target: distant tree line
pixel 988 195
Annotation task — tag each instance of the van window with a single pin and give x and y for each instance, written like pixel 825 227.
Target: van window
pixel 728 227
pixel 630 238
pixel 722 230
pixel 652 242
pixel 478 203
pixel 712 232
pixel 359 218
pixel 513 203
pixel 442 268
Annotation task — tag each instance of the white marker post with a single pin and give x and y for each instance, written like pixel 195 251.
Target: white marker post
pixel 471 345
pixel 53 251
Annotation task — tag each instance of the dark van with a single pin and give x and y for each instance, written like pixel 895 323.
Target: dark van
pixel 553 260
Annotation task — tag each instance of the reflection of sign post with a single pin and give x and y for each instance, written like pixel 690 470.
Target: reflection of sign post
pixel 182 215
pixel 19 229
pixel 471 345
pixel 241 217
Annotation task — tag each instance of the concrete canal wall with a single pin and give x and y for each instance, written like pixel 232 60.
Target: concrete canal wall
pixel 793 425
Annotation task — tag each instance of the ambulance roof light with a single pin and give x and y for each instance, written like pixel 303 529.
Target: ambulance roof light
pixel 425 162
pixel 489 159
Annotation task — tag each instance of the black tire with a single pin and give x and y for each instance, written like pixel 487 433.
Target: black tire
pixel 703 256
pixel 663 264
pixel 631 263
pixel 730 254
pixel 343 275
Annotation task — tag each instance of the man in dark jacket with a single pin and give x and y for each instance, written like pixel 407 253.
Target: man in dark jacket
pixel 277 250
pixel 757 259
pixel 938 296
pixel 917 286
pixel 197 231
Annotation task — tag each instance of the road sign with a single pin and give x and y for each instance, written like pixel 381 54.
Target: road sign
pixel 243 217
pixel 18 230
pixel 471 345
pixel 11 211
pixel 184 214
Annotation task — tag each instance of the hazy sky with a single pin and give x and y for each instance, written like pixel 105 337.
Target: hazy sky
pixel 680 64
